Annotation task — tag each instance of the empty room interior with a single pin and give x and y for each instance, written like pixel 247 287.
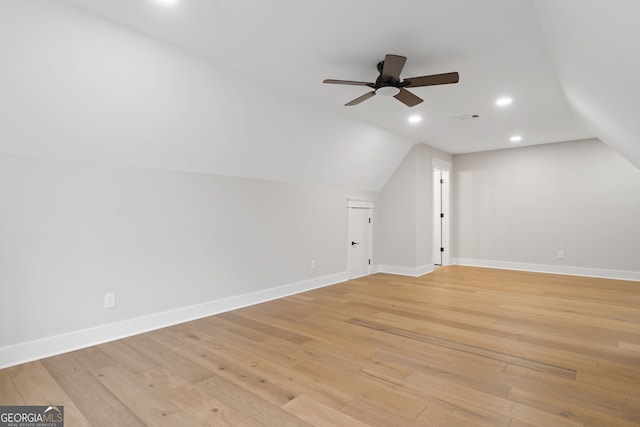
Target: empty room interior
pixel 278 212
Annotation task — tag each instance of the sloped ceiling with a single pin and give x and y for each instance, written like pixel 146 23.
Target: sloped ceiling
pixel 495 45
pixel 595 52
pixel 235 87
pixel 78 87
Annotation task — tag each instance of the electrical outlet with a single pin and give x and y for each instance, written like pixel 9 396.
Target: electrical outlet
pixel 561 254
pixel 109 300
pixel 313 264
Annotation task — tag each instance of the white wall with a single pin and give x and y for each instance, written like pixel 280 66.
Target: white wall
pixel 161 240
pixel 405 215
pixel 516 208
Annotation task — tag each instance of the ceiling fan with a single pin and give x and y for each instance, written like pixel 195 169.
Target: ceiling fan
pixel 388 82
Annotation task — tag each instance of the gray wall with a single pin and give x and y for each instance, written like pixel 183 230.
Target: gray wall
pixel 74 230
pixel 164 240
pixel 523 205
pixel 405 213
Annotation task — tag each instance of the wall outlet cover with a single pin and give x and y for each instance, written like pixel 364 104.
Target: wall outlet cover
pixel 109 300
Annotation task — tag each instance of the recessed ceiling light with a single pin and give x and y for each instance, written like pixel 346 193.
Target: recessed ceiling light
pixel 504 101
pixel 166 2
pixel 415 119
pixel 515 138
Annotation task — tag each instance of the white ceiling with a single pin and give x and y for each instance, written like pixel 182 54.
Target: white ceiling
pixel 495 45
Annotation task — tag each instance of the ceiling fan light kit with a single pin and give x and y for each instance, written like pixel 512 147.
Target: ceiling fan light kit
pixel 388 82
pixel 388 91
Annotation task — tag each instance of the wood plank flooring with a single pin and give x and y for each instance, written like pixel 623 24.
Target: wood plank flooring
pixel 459 347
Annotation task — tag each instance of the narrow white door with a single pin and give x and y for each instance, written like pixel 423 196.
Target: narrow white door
pixel 441 214
pixel 360 227
pixel 437 217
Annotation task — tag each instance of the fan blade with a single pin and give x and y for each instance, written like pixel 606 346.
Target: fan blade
pixel 359 99
pixel 393 65
pixel 347 82
pixel 435 79
pixel 407 98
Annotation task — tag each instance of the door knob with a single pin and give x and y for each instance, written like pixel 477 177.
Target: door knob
pixel 354 243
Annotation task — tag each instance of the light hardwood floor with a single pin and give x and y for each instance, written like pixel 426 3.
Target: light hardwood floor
pixel 459 347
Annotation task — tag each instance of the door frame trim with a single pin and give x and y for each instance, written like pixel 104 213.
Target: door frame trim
pixel 358 203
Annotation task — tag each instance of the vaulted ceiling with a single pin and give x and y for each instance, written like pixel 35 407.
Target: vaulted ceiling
pixel 570 67
pixel 495 45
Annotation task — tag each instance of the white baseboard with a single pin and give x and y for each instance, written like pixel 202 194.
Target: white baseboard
pixel 404 271
pixel 38 349
pixel 554 269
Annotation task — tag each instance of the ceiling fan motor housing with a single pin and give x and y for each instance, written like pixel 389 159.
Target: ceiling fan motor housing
pixel 386 81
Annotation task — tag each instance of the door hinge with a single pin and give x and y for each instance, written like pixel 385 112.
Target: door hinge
pixel 369 220
pixel 369 262
pixel 441 215
pixel 441 249
pixel 442 181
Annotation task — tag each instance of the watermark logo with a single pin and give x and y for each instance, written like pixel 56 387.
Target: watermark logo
pixel 31 416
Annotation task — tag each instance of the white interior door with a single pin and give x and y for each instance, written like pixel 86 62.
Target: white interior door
pixel 441 214
pixel 360 239
pixel 437 216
